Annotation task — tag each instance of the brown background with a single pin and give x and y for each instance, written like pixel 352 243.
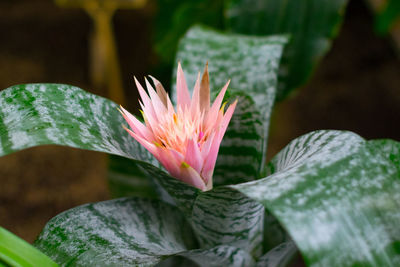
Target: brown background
pixel 355 88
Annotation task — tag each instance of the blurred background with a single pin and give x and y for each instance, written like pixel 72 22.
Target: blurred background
pixel 356 87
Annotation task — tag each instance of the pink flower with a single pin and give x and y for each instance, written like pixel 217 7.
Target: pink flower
pixel 186 140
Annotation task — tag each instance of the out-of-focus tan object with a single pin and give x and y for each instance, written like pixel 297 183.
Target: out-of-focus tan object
pixel 104 68
pixel 380 6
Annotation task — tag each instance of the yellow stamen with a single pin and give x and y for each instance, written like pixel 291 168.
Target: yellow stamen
pixel 223 106
pixel 185 165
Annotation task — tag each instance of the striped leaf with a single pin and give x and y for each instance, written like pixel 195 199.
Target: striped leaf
pixel 251 63
pixel 279 256
pixel 129 232
pixel 38 114
pixel 225 216
pixel 312 25
pixel 120 232
pixel 222 255
pixel 338 196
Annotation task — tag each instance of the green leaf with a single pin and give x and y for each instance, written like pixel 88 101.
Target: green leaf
pixel 129 232
pixel 274 234
pixel 38 114
pixel 279 256
pixel 390 148
pixel 225 216
pixel 251 63
pixel 18 253
pixel 126 178
pixel 338 196
pixel 172 190
pixel 220 256
pixel 175 17
pixel 120 232
pixel 387 17
pixel 312 25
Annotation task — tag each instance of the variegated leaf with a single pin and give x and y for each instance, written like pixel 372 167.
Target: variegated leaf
pixel 252 64
pixel 221 216
pixel 279 256
pixel 225 216
pixel 218 256
pixel 129 232
pixel 38 114
pixel 120 232
pixel 338 196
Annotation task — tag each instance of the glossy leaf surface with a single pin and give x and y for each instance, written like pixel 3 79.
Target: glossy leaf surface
pixel 120 232
pixel 38 114
pixel 16 252
pixel 219 217
pixel 279 256
pixel 128 232
pixel 338 196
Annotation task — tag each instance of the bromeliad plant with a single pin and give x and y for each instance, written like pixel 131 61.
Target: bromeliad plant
pixel 186 140
pixel 331 195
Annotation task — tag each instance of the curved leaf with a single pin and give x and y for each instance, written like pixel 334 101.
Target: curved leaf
pixel 38 114
pixel 312 25
pixel 390 148
pixel 225 216
pixel 279 256
pixel 129 232
pixel 120 232
pixel 339 198
pixel 252 64
pixel 221 216
pixel 220 256
pixel 18 253
pixel 126 178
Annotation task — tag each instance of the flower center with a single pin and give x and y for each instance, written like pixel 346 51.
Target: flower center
pixel 174 130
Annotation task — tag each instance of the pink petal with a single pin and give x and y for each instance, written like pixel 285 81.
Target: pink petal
pixel 213 113
pixel 168 161
pixel 158 105
pixel 205 148
pixel 150 120
pixel 192 177
pixel 162 94
pixel 149 146
pixel 210 160
pixel 205 91
pixel 193 155
pixel 182 89
pixel 136 125
pixel 147 104
pixel 195 104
